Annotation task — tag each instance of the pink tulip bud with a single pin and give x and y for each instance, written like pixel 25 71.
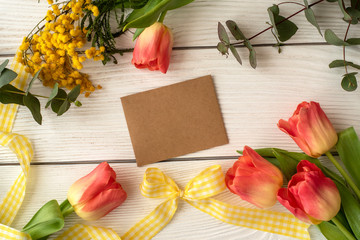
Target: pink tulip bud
pixel 254 179
pixel 96 194
pixel 310 129
pixel 310 195
pixel 153 48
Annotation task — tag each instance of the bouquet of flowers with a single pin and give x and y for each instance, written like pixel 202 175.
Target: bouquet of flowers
pixel 314 194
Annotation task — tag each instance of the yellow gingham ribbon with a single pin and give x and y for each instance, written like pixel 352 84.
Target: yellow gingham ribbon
pixel 21 146
pixel 198 191
pixel 85 232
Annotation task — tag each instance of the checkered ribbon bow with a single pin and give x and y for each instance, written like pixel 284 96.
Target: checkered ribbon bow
pixel 198 193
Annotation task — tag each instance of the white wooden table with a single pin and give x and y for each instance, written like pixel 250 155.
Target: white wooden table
pixel 252 101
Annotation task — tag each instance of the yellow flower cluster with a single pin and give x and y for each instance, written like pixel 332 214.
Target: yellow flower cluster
pixel 54 48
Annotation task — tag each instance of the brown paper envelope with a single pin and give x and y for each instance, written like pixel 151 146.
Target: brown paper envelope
pixel 174 120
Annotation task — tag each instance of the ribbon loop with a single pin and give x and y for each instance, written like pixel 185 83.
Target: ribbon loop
pixel 197 193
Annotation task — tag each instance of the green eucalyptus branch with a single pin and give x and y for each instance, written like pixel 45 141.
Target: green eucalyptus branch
pixel 59 100
pixel 283 29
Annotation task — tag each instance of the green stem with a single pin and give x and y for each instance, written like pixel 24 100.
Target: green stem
pixel 344 174
pixel 66 208
pixel 162 16
pixel 36 95
pixel 343 229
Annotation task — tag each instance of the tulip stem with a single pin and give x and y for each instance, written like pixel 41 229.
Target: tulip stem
pixel 162 16
pixel 341 227
pixel 344 174
pixel 66 208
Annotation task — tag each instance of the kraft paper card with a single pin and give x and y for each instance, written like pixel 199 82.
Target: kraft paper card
pixel 174 120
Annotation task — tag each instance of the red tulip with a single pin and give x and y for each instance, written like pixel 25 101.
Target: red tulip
pixel 96 194
pixel 254 179
pixel 310 195
pixel 310 129
pixel 153 48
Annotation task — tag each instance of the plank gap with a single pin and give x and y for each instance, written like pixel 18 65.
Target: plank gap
pixel 214 47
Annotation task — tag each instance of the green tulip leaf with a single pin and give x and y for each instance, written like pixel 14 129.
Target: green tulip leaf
pixel 46 221
pixel 137 33
pixel 331 232
pixel 351 208
pixel 147 15
pixel 348 147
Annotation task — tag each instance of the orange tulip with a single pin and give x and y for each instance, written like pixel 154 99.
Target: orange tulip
pixel 310 128
pixel 254 179
pixel 153 48
pixel 311 196
pixel 96 194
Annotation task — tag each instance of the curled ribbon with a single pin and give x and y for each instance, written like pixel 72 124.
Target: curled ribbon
pixel 21 146
pixel 198 193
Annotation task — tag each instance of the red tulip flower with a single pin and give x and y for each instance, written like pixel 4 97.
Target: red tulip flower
pixel 310 128
pixel 310 196
pixel 254 179
pixel 96 194
pixel 153 48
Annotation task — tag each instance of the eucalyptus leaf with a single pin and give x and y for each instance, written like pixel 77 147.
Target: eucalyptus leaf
pixel 47 220
pixel 342 63
pixel 222 48
pixel 7 75
pixel 310 16
pixel 286 29
pixel 33 104
pixel 273 11
pixel 331 0
pixel 347 17
pixel 353 41
pixel 252 54
pixel 74 93
pixel 236 54
pixel 348 147
pixel 235 30
pixel 10 94
pixel 58 100
pixel 332 39
pixel 64 107
pixel 354 13
pixel 32 80
pixel 349 82
pixel 331 232
pixel 355 4
pixel 78 103
pixel 53 94
pixel 222 34
pixel 137 33
pixel 3 65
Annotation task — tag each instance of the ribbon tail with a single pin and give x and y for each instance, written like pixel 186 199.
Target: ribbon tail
pixel 85 232
pixel 263 220
pixel 154 222
pixel 12 234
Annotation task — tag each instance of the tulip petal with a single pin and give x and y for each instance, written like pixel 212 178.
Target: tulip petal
pixel 258 189
pixel 261 164
pixel 103 203
pixel 284 197
pixel 92 184
pixel 319 196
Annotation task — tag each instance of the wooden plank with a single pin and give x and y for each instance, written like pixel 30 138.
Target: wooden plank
pixel 252 102
pixel 52 182
pixel 193 25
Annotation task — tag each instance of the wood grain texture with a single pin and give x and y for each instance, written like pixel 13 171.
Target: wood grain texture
pixel 192 25
pixel 251 101
pixel 49 182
